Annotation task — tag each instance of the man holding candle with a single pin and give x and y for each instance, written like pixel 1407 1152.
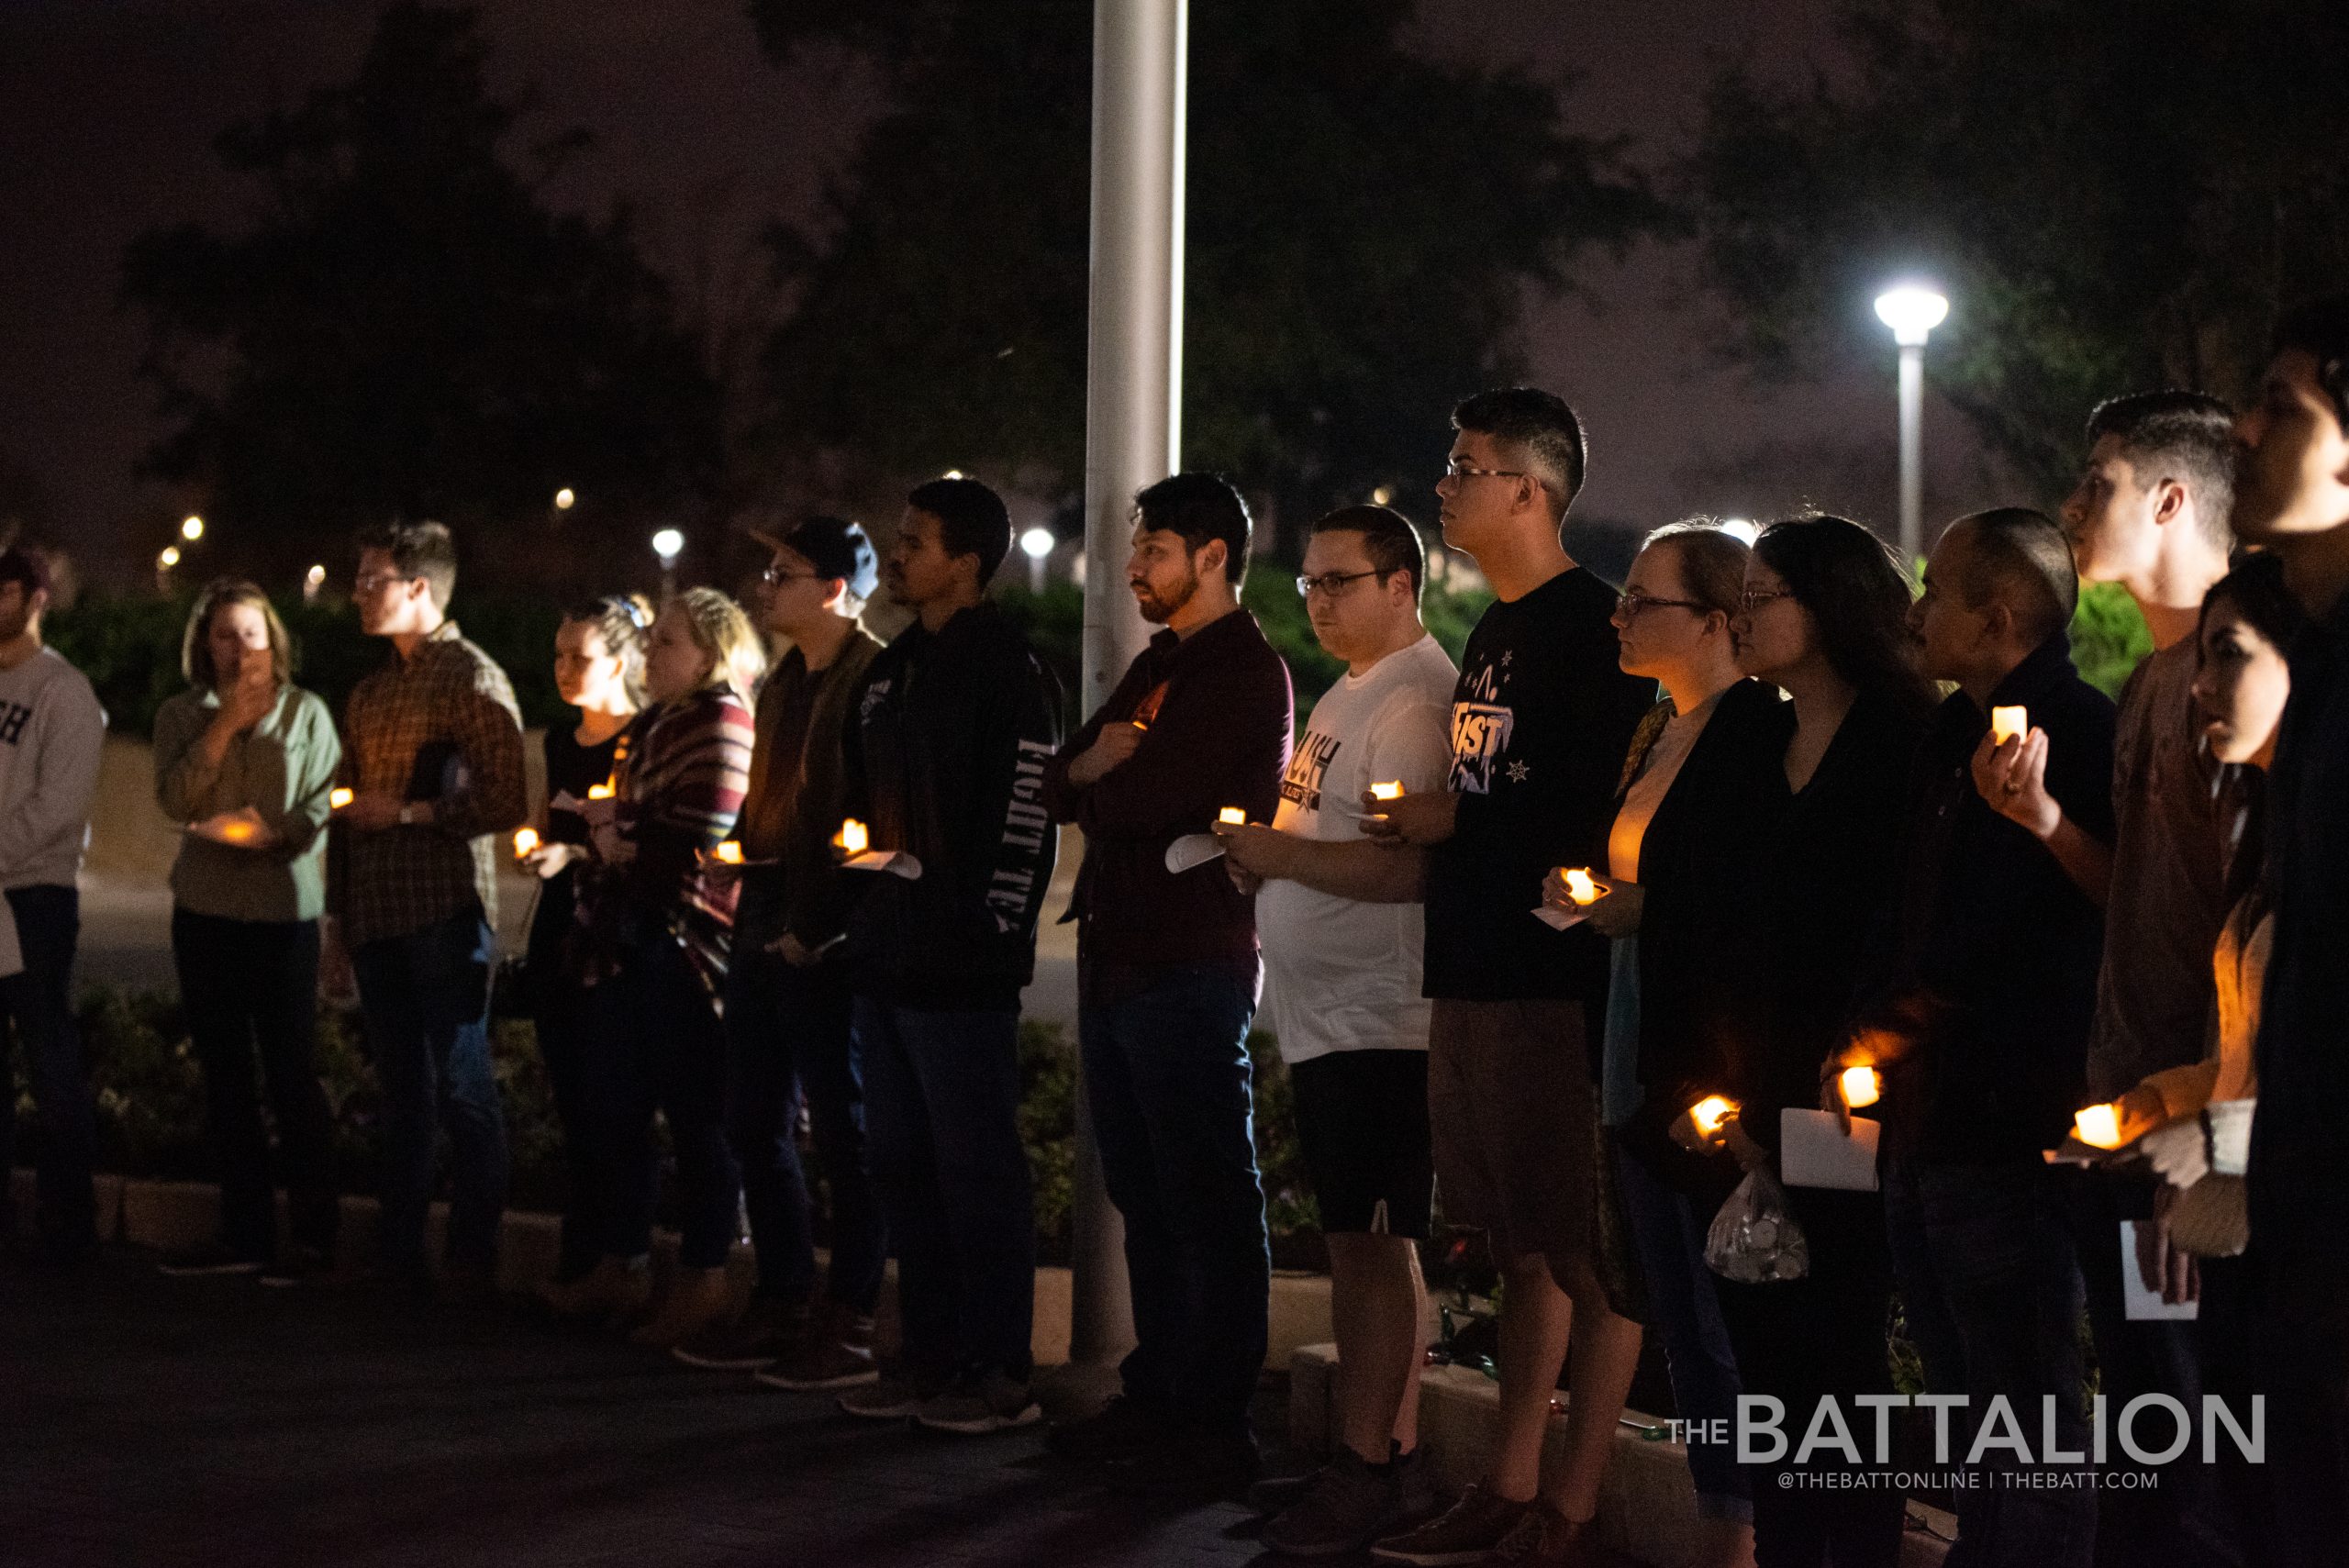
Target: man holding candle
pixel 1167 976
pixel 949 732
pixel 1541 717
pixel 1979 1020
pixel 2292 497
pixel 1340 921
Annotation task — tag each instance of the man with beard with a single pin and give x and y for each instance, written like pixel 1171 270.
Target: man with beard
pixel 1168 972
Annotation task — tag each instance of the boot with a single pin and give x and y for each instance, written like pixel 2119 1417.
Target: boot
pixel 699 1299
pixel 614 1291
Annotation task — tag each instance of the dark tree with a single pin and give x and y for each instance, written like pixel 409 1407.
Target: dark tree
pixel 407 328
pixel 2117 198
pixel 1364 227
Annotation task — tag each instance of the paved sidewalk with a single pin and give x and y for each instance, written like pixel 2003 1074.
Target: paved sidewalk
pixel 153 1422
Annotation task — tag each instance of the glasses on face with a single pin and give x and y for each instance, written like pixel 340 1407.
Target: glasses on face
pixel 776 576
pixel 1332 583
pixel 1629 605
pixel 370 582
pixel 1456 470
pixel 1754 599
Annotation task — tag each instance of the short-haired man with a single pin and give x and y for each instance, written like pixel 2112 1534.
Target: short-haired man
pixel 1980 1020
pixel 1167 974
pixel 432 754
pixel 2292 497
pixel 948 734
pixel 1340 921
pixel 51 731
pixel 2150 513
pixel 786 990
pixel 1541 717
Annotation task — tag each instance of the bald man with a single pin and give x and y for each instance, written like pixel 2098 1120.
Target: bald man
pixel 1980 1018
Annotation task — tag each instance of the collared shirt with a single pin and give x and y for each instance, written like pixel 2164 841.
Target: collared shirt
pixel 440 725
pixel 282 768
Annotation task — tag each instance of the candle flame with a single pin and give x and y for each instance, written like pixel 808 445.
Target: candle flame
pixel 853 837
pixel 1581 887
pixel 339 799
pixel 2099 1126
pixel 525 840
pixel 729 853
pixel 2008 724
pixel 1710 1112
pixel 1232 814
pixel 599 792
pixel 1862 1086
pixel 1393 791
pixel 235 829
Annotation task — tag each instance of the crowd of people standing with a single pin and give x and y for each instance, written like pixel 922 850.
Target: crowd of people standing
pixel 1587 938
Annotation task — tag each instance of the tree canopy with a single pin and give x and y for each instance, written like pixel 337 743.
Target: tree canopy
pixel 2116 197
pixel 407 327
pixel 1363 226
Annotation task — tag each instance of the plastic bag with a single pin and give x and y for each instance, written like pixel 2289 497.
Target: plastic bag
pixel 1753 1241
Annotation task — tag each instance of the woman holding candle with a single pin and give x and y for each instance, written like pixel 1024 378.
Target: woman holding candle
pixel 243 762
pixel 1693 765
pixel 652 942
pixel 599 670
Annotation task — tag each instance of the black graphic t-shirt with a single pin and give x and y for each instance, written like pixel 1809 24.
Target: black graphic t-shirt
pixel 1541 721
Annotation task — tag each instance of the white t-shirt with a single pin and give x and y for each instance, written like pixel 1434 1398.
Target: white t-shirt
pixel 51 732
pixel 1342 974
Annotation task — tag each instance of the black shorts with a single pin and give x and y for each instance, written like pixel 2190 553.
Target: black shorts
pixel 1362 1120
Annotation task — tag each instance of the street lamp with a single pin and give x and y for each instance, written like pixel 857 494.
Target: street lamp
pixel 1036 544
pixel 312 581
pixel 192 529
pixel 565 499
pixel 668 544
pixel 1912 311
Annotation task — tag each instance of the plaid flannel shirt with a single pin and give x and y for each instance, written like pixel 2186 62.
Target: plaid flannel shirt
pixel 440 725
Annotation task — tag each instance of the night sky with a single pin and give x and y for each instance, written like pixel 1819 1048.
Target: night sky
pixel 108 109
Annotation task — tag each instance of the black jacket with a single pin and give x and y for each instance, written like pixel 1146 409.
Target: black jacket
pixel 944 756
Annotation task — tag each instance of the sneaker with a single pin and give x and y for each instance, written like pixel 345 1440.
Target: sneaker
pixel 213 1258
pixel 768 1332
pixel 1468 1531
pixel 1349 1505
pixel 299 1266
pixel 892 1396
pixel 1187 1463
pixel 1545 1537
pixel 1410 1470
pixel 836 1354
pixel 990 1401
pixel 1124 1426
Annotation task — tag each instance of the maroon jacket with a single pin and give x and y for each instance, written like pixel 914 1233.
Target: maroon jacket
pixel 1218 711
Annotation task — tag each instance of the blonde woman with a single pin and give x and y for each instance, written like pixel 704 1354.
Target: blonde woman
pixel 244 760
pixel 655 927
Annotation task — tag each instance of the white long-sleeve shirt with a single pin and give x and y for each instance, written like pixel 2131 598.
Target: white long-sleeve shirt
pixel 51 730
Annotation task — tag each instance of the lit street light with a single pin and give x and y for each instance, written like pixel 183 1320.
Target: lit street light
pixel 170 558
pixel 1912 311
pixel 192 529
pixel 565 499
pixel 312 581
pixel 669 544
pixel 1036 544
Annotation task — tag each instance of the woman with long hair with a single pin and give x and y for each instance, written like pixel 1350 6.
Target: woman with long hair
pixel 244 763
pixel 652 940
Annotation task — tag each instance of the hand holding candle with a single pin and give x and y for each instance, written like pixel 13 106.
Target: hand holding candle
pixel 852 839
pixel 1863 1087
pixel 2008 724
pixel 600 791
pixel 526 842
pixel 728 853
pixel 1389 791
pixel 1232 816
pixel 1709 1113
pixel 2099 1126
pixel 1581 887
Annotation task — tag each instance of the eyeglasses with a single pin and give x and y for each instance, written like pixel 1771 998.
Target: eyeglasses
pixel 775 577
pixel 1456 469
pixel 1754 599
pixel 368 581
pixel 1332 583
pixel 1629 605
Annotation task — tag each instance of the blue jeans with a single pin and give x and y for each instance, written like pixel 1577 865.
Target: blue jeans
pixel 789 1035
pixel 1983 1257
pixel 1669 1236
pixel 39 1003
pixel 424 999
pixel 653 1043
pixel 1167 1076
pixel 941 1114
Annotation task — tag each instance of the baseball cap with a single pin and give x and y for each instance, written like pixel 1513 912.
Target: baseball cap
pixel 833 546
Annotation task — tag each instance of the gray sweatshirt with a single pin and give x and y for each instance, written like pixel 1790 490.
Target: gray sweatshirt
pixel 51 730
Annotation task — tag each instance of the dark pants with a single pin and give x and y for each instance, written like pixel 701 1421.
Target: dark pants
pixel 2301 1362
pixel 1167 1078
pixel 655 1044
pixel 250 985
pixel 425 997
pixel 1823 1337
pixel 941 1107
pixel 38 1004
pixel 559 1019
pixel 2226 1336
pixel 789 1035
pixel 1983 1257
pixel 2178 1515
pixel 1684 1305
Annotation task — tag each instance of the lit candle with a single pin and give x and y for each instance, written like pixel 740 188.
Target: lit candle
pixel 1232 814
pixel 1393 791
pixel 1862 1086
pixel 1710 1112
pixel 525 840
pixel 1581 887
pixel 852 837
pixel 599 792
pixel 339 799
pixel 729 853
pixel 235 829
pixel 2099 1126
pixel 2008 724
